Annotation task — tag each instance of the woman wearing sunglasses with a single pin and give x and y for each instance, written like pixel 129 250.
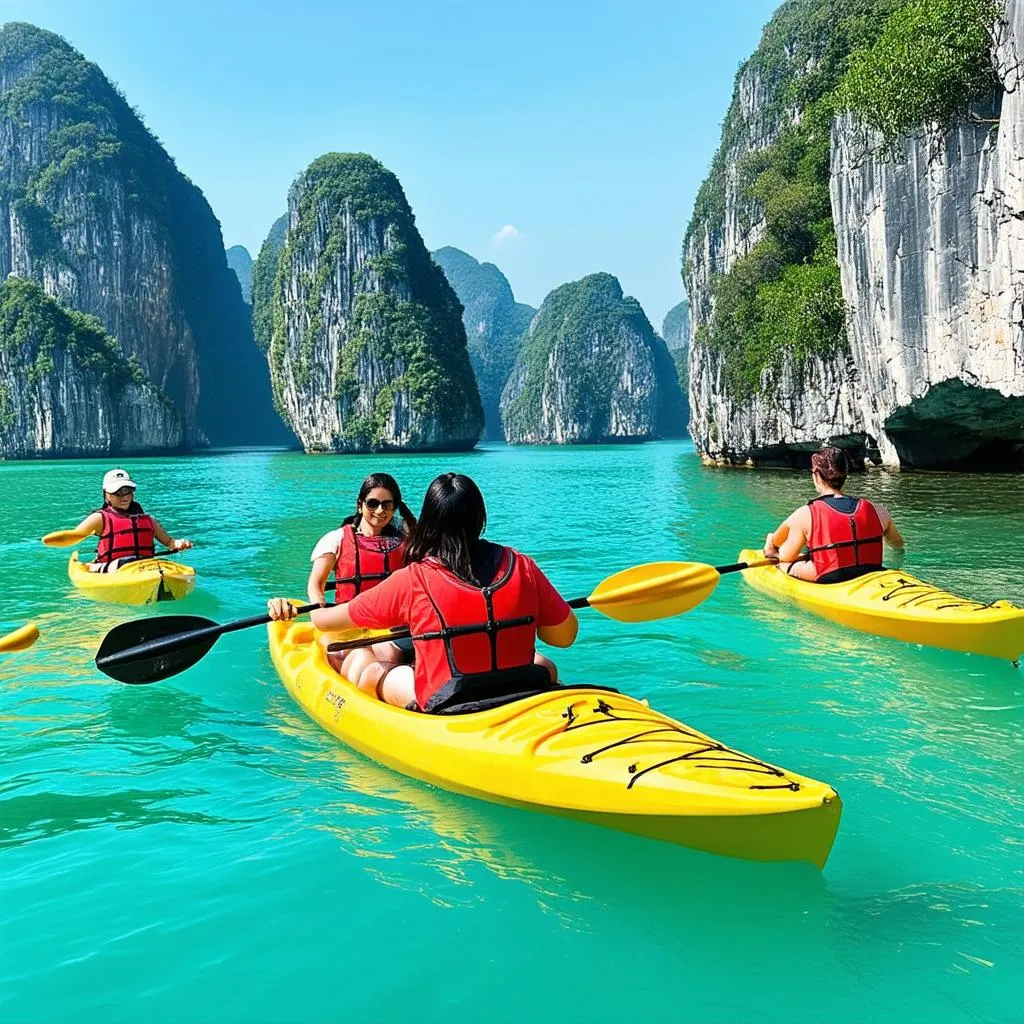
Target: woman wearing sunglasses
pixel 126 532
pixel 475 608
pixel 366 549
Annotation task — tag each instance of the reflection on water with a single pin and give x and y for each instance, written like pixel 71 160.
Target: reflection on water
pixel 24 819
pixel 156 833
pixel 416 837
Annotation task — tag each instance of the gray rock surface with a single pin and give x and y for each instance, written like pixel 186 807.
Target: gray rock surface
pixel 494 324
pixel 591 369
pixel 240 263
pixel 94 209
pixel 931 255
pixel 367 348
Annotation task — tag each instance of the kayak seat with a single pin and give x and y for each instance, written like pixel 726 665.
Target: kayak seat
pixel 482 691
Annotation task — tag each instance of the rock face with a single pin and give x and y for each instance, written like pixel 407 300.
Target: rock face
pixel 930 246
pixel 264 273
pixel 94 209
pixel 494 323
pixel 367 348
pixel 675 329
pixel 67 389
pixel 240 262
pixel 591 369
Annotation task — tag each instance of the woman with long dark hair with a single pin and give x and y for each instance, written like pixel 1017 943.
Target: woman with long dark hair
pixel 363 552
pixel 476 609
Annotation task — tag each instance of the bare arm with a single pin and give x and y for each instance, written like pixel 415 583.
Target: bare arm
pixel 892 536
pixel 325 619
pixel 167 540
pixel 322 567
pixel 788 541
pixel 92 523
pixel 561 635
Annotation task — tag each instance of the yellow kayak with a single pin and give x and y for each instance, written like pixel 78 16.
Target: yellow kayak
pixel 142 582
pixel 895 604
pixel 588 754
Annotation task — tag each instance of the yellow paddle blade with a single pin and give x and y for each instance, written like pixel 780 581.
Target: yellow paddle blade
pixel 64 538
pixel 657 590
pixel 21 638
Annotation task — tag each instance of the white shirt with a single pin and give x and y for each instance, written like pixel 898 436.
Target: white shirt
pixel 328 544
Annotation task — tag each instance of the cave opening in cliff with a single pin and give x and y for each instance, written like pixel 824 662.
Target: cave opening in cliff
pixel 962 428
pixel 861 449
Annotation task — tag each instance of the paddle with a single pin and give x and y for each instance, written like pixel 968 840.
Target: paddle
pixel 639 594
pixel 147 650
pixel 65 538
pixel 19 639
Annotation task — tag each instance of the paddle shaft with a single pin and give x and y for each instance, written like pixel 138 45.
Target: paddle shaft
pixel 151 648
pixel 403 633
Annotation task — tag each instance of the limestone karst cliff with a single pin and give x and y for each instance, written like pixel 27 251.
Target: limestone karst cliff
pixel 591 369
pixel 494 323
pixel 675 329
pixel 240 262
pixel 367 348
pixel 95 211
pixel 264 273
pixel 858 287
pixel 66 387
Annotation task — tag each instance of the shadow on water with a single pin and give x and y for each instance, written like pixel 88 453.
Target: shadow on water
pixel 436 843
pixel 24 819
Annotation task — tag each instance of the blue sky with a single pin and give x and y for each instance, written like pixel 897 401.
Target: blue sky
pixel 582 129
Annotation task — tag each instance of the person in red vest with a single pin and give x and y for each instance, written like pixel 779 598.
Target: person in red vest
pixel 843 535
pixel 126 532
pixel 474 608
pixel 364 551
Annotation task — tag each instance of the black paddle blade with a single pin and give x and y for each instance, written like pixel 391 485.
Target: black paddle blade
pixel 146 650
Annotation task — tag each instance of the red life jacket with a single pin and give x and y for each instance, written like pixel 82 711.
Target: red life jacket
pixel 842 542
pixel 361 562
pixel 125 534
pixel 484 632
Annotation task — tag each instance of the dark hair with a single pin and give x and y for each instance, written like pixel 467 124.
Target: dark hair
pixel 134 509
pixel 451 521
pixel 831 465
pixel 388 483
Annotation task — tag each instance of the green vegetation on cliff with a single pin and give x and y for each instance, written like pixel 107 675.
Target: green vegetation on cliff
pixel 494 322
pixel 403 311
pixel 574 343
pixel 240 262
pixel 82 162
pixel 97 127
pixel 29 318
pixel 264 274
pixel 815 57
pixel 930 61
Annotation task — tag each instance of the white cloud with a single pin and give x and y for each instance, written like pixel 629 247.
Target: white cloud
pixel 507 233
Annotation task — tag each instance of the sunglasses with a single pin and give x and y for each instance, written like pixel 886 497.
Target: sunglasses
pixel 123 492
pixel 375 503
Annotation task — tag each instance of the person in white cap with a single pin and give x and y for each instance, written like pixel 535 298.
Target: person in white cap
pixel 126 532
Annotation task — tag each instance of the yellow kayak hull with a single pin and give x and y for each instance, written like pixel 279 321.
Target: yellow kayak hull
pixel 142 582
pixel 894 604
pixel 591 755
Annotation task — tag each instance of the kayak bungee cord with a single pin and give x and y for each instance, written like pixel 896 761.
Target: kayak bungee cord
pixel 738 761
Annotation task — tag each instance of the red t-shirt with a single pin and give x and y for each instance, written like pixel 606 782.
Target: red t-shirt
pixel 395 602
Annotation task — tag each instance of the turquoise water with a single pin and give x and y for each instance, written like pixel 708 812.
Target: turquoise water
pixel 198 850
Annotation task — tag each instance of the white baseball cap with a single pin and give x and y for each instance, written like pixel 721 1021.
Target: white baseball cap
pixel 115 479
